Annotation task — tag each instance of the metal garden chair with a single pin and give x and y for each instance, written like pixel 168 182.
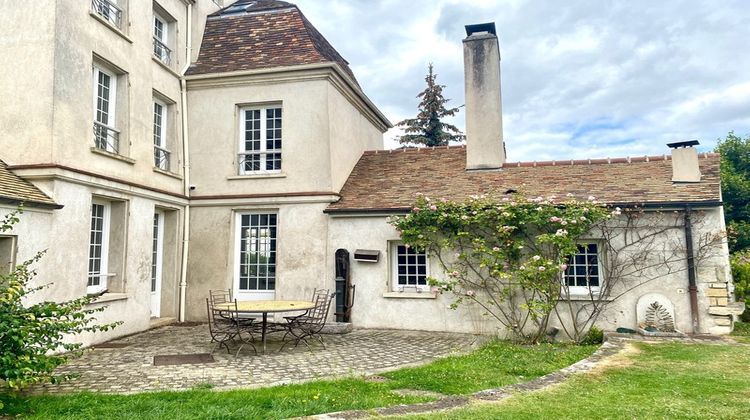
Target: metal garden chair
pixel 310 324
pixel 225 329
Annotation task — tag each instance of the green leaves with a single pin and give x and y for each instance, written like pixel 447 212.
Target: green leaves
pixel 30 336
pixel 507 254
pixel 735 188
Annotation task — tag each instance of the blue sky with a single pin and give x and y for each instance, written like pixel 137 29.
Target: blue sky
pixel 580 79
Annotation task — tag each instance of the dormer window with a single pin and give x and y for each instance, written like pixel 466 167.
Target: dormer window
pixel 260 140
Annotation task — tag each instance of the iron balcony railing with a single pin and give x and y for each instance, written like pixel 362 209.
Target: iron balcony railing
pixel 259 161
pixel 161 158
pixel 109 10
pixel 106 138
pixel 162 52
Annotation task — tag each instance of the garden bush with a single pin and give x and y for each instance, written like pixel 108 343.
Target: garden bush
pixel 741 274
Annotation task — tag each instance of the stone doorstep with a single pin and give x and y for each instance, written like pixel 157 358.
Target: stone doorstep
pixel 161 322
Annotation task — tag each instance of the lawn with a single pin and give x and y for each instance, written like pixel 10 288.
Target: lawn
pixel 495 364
pixel 685 381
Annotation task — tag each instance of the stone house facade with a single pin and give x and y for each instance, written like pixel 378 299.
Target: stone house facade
pixel 178 146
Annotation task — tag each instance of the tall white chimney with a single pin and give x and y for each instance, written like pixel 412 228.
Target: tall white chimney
pixel 485 148
pixel 685 166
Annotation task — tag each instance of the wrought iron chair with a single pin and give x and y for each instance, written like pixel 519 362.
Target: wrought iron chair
pixel 317 293
pixel 225 296
pixel 310 324
pixel 224 328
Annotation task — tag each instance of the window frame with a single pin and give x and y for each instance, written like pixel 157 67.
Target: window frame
pixel 264 151
pixel 161 147
pixel 394 270
pixel 103 272
pixel 163 41
pixel 11 241
pixel 256 293
pixel 588 289
pixel 111 124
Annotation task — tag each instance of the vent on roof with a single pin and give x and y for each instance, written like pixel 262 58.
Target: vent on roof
pixel 238 8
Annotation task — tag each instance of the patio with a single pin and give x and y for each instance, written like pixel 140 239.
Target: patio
pixel 126 365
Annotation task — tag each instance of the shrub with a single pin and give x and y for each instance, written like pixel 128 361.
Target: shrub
pixel 33 338
pixel 740 262
pixel 594 336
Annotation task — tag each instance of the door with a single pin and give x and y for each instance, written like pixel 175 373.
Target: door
pixel 255 266
pixel 157 262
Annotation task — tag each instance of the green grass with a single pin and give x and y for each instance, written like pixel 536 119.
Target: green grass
pixel 495 364
pixel 680 381
pixel 741 332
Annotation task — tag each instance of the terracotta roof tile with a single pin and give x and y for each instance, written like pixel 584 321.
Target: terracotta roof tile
pixel 264 34
pixel 14 189
pixel 384 180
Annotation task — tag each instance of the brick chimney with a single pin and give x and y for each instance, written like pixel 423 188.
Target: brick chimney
pixel 485 148
pixel 685 167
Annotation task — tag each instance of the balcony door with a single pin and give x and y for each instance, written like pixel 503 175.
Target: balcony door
pixel 255 262
pixel 157 263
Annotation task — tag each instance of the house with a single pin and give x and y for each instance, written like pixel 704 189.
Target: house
pixel 191 146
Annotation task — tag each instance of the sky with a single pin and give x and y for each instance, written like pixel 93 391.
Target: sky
pixel 580 79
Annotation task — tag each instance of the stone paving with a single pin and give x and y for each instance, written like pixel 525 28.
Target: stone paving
pixel 362 352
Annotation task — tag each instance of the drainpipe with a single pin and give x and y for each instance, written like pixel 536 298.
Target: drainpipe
pixel 692 287
pixel 186 166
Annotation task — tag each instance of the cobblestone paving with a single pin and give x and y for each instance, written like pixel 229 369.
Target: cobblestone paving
pixel 361 352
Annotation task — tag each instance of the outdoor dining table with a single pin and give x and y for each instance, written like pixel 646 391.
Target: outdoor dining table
pixel 265 307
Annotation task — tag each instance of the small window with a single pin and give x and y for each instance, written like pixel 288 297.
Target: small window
pixel 109 10
pixel 260 140
pixel 161 39
pixel 7 254
pixel 99 247
pixel 583 274
pixel 410 268
pixel 162 154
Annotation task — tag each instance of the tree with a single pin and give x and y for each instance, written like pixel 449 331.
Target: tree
pixel 32 336
pixel 735 188
pixel 427 128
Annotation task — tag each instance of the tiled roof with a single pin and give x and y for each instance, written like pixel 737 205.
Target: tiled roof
pixel 390 180
pixel 14 189
pixel 263 34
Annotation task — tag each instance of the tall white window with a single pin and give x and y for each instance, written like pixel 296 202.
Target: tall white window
pixel 157 253
pixel 161 39
pixel 257 252
pixel 260 140
pixel 109 10
pixel 106 135
pixel 410 268
pixel 98 246
pixel 583 274
pixel 161 153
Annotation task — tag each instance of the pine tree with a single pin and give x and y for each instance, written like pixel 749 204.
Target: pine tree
pixel 427 129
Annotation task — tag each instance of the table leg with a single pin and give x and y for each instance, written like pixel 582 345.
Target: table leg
pixel 263 331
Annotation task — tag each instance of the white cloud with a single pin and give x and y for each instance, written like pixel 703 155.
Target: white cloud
pixel 580 79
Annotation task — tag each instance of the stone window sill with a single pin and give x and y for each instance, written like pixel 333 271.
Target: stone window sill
pixel 165 67
pixel 115 156
pixel 585 298
pixel 110 297
pixel 256 176
pixel 168 173
pixel 109 24
pixel 410 295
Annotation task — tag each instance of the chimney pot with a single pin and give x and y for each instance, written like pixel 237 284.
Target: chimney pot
pixel 685 166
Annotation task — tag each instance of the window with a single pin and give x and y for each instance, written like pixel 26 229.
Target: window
pixel 583 273
pixel 161 153
pixel 161 38
pixel 99 247
pixel 410 268
pixel 7 254
pixel 257 252
pixel 260 140
pixel 106 135
pixel 109 10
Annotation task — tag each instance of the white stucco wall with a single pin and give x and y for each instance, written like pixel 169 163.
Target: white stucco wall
pixel 375 309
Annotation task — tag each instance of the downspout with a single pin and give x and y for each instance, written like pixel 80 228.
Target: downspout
pixel 186 166
pixel 692 287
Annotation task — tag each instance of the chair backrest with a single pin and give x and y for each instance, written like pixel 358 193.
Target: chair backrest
pixel 220 296
pixel 318 293
pixel 215 315
pixel 319 313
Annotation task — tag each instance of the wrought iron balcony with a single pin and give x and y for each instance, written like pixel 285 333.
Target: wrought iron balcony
pixel 162 52
pixel 251 162
pixel 109 10
pixel 161 158
pixel 106 138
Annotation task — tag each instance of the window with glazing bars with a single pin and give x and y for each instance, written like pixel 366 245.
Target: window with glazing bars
pixel 161 154
pixel 583 268
pixel 257 252
pixel 98 247
pixel 410 268
pixel 106 136
pixel 260 144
